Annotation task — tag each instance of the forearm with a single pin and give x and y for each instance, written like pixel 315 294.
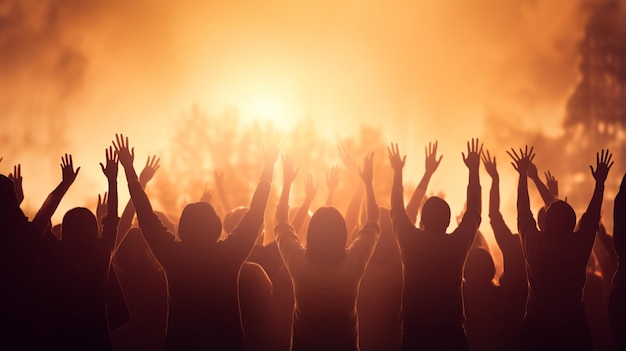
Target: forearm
pixel 546 195
pixel 282 210
pixel 412 208
pixel 113 199
pixel 43 216
pixel 373 213
pixel 397 191
pixel 523 202
pixel 595 205
pixel 126 221
pixel 298 219
pixel 473 193
pixel 140 201
pixel 494 197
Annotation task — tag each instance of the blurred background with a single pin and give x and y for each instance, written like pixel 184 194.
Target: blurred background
pixel 204 84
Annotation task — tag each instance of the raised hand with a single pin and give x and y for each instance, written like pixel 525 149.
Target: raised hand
pixel 472 160
pixel 603 165
pixel 532 171
pixel 310 188
pixel 347 158
pixel 16 178
pixel 67 169
pixel 397 163
pixel 332 178
pixel 289 172
pixel 523 161
pixel 101 208
pixel 552 183
pixel 367 173
pixel 490 164
pixel 110 170
pixel 432 163
pixel 152 165
pixel 126 155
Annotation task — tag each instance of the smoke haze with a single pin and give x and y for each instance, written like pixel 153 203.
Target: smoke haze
pixel 75 72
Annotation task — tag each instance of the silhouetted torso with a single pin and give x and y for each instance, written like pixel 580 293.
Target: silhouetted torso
pixel 202 280
pixel 18 260
pixel 255 301
pixel 325 314
pixel 380 295
pixel 494 313
pixel 432 304
pixel 143 282
pixel 73 303
pixel 555 314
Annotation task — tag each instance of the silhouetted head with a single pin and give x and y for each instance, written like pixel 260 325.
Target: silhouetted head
pixel 560 219
pixel 326 236
pixel 199 224
pixel 436 215
pixel 79 226
pixel 479 267
pixel 233 217
pixel 10 211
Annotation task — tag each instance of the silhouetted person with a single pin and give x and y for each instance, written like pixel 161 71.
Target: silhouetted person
pixel 556 260
pixel 617 304
pixel 145 289
pixel 380 295
pixel 201 270
pixel 326 275
pixel 432 306
pixel 494 313
pixel 76 272
pixel 255 293
pixel 19 256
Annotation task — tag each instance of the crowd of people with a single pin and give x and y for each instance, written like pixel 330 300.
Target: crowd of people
pixel 371 277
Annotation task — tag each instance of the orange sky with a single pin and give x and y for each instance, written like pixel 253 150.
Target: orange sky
pixel 419 70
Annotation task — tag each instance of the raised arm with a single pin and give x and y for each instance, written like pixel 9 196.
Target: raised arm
pixel 310 189
pixel 471 218
pixel 432 163
pixel 364 244
pixel 552 183
pixel 242 238
pixel 288 242
pixel 397 189
pixel 500 230
pixel 126 220
pixel 603 165
pixel 521 163
pixel 546 195
pixel 156 234
pixel 494 192
pixel 110 221
pixel 16 177
pixel 332 181
pixel 43 216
